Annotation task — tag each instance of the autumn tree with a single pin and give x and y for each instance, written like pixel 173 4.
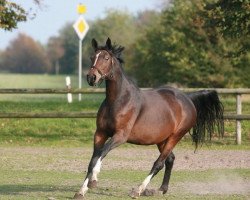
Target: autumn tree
pixel 68 61
pixel 55 51
pixel 24 55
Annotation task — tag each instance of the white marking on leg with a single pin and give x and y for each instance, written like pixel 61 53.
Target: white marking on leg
pixel 144 184
pixel 84 187
pixel 96 169
pixel 96 58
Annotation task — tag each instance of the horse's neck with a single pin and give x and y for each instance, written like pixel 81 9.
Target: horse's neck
pixel 117 87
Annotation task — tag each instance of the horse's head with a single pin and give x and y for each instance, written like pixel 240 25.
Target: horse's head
pixel 102 67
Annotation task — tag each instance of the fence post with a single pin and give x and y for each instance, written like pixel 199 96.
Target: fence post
pixel 68 85
pixel 238 122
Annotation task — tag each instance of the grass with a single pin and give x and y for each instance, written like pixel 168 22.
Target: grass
pixel 75 132
pixel 36 81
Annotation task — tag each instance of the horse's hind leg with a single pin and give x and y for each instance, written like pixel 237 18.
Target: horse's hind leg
pixel 158 165
pixel 166 154
pixel 168 168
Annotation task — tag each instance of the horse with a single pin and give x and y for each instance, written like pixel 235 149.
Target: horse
pixel 160 116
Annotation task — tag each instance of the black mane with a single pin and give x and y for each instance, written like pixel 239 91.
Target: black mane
pixel 115 50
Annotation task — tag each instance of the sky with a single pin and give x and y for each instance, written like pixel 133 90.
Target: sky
pixel 54 14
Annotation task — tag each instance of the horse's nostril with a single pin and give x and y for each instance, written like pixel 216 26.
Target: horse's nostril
pixel 91 79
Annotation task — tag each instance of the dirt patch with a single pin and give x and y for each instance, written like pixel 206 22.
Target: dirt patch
pixel 224 185
pixel 137 158
pixel 143 159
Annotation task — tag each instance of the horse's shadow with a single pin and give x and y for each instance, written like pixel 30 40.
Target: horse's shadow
pixel 18 189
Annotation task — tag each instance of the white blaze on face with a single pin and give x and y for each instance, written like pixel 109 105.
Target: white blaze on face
pixel 96 169
pixel 96 58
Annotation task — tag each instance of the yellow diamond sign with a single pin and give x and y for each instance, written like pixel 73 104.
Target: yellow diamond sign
pixel 81 27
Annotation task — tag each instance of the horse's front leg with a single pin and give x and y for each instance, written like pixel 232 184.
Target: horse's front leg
pixel 95 163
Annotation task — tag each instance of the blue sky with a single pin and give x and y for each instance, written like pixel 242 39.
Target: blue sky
pixel 55 13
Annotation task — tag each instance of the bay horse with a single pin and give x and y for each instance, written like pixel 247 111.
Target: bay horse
pixel 160 116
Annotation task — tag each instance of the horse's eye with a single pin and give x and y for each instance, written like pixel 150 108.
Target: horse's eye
pixel 106 57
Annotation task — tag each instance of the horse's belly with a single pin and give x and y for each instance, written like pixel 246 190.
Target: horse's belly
pixel 152 128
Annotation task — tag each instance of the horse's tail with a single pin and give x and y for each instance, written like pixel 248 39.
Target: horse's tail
pixel 209 115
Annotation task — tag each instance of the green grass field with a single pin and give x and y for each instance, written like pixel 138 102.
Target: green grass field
pixel 71 132
pixel 36 81
pixel 21 178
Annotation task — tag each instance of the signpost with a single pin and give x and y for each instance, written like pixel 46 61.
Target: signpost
pixel 81 27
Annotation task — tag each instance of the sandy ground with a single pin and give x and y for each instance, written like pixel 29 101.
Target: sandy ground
pixel 137 158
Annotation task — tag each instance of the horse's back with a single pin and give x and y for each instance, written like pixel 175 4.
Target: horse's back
pixel 173 93
pixel 174 97
pixel 185 109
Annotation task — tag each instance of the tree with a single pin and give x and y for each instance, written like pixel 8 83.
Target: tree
pixel 180 49
pixel 232 19
pixel 24 55
pixel 231 16
pixel 12 13
pixel 55 51
pixel 68 61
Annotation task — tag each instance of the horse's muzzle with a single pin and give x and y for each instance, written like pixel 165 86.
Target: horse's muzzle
pixel 91 79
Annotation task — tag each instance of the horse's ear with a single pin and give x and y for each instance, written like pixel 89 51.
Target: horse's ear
pixel 94 44
pixel 108 44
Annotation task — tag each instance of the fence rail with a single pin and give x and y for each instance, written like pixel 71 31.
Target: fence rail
pixel 52 91
pixel 49 115
pixel 237 91
pixel 87 115
pixel 233 91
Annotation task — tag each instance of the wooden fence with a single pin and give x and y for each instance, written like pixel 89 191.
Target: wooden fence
pixel 237 92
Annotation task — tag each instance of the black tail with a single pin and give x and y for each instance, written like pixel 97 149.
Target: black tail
pixel 209 115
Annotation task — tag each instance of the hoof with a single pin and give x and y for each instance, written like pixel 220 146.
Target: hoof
pixel 151 192
pixel 78 196
pixel 163 189
pixel 134 194
pixel 92 184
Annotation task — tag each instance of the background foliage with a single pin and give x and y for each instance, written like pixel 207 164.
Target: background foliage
pixel 190 43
